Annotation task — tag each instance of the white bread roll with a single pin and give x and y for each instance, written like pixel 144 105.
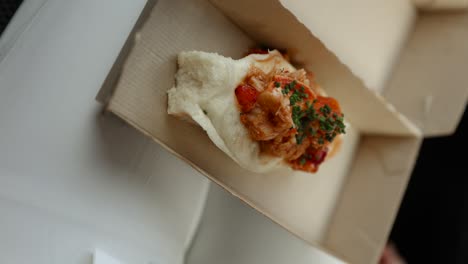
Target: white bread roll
pixel 205 83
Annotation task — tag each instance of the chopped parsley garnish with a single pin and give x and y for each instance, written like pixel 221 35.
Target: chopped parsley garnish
pixel 302 118
pixel 322 123
pixel 288 87
pixel 205 112
pixel 302 161
pixel 297 114
pixel 312 131
pixel 329 124
pixel 320 141
pixel 295 97
pixel 292 84
pixel 300 137
pixel 326 110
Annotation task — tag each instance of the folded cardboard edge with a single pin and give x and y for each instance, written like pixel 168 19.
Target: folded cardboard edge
pixel 321 246
pixel 262 20
pixel 148 72
pixel 370 200
pixel 107 88
pixel 434 102
pixel 441 4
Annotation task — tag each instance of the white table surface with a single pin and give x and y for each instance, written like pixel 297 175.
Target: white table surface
pixel 72 180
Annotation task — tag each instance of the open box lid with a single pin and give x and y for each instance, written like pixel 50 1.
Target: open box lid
pixel 414 88
pixel 433 101
pixel 274 23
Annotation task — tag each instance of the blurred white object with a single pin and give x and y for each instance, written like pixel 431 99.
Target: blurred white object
pixel 71 180
pixel 100 257
pixel 231 232
pixel 367 35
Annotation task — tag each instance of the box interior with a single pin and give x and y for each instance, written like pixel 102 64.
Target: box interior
pixel 437 44
pixel 348 207
pixel 263 19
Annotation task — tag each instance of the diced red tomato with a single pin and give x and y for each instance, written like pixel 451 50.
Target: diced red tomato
pixel 312 163
pixel 246 97
pixel 318 156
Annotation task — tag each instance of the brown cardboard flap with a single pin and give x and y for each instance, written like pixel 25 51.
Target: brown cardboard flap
pixel 305 204
pixel 300 202
pixel 441 4
pixel 107 88
pixel 371 197
pixel 429 84
pixel 269 22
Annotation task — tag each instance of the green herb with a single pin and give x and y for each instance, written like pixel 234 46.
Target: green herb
pixel 302 161
pixel 299 138
pixel 297 114
pixel 326 110
pixel 288 87
pixel 320 141
pixel 312 131
pixel 302 118
pixel 277 84
pixel 329 137
pixel 295 97
pixel 311 111
pixel 306 119
pixel 204 111
pixel 292 84
pixel 341 126
pixel 330 124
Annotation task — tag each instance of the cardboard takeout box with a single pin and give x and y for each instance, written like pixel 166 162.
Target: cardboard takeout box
pixel 346 209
